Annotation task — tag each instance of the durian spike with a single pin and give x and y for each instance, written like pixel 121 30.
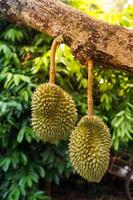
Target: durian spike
pixel 52 61
pixel 90 83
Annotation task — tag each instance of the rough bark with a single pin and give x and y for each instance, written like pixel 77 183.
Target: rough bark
pixel 108 45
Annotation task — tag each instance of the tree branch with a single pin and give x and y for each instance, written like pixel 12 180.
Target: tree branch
pixel 108 45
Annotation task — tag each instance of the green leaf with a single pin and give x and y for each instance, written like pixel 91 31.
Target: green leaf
pixel 16 60
pixel 16 79
pixel 25 78
pixel 6 50
pixel 22 182
pixel 56 179
pixel 116 144
pixel 34 177
pixel 23 158
pixel 41 171
pixel 9 80
pixel 32 198
pixel 21 133
pixel 29 181
pixel 5 164
pixel 61 168
pixel 13 34
pixel 15 193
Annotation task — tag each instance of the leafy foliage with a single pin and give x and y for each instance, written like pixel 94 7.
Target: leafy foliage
pixel 25 162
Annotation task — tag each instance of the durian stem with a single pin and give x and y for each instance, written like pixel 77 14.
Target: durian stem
pixel 90 83
pixel 52 61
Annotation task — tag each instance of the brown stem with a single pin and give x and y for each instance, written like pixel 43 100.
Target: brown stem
pixel 52 61
pixel 90 82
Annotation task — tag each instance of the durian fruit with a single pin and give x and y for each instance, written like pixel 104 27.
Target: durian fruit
pixel 53 110
pixel 53 113
pixel 89 148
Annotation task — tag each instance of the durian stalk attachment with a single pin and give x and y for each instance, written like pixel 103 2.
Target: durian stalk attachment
pixel 90 83
pixel 52 62
pixel 89 146
pixel 53 110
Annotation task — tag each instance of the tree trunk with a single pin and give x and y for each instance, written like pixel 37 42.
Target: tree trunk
pixel 108 45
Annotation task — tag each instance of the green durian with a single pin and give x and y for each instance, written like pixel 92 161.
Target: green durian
pixel 53 113
pixel 89 148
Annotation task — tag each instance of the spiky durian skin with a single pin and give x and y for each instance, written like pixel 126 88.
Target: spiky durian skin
pixel 53 113
pixel 89 148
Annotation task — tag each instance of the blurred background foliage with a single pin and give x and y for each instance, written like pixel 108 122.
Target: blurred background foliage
pixel 27 164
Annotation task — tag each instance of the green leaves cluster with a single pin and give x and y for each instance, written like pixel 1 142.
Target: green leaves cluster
pixel 115 12
pixel 25 162
pixel 123 126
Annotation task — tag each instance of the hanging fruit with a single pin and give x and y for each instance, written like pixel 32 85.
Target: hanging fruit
pixel 89 146
pixel 54 112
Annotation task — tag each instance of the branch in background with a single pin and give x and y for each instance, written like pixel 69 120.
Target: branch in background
pixel 107 45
